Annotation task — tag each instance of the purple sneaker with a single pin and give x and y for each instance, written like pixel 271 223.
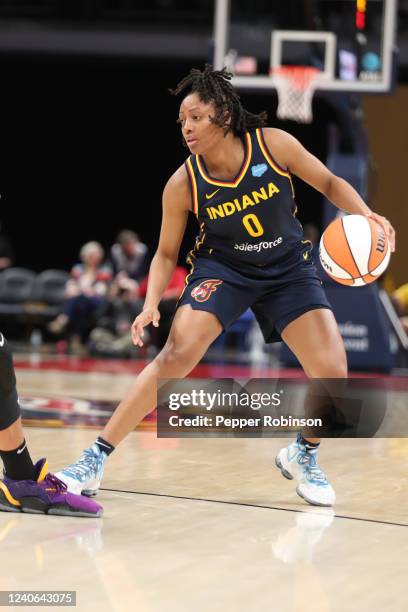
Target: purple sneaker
pixel 44 495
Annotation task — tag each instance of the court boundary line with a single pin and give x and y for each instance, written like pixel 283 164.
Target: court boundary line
pixel 248 505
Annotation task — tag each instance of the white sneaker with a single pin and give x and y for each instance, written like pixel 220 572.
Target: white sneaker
pixel 299 462
pixel 86 474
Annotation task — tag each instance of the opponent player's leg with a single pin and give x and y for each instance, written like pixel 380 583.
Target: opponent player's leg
pixel 192 332
pixel 26 487
pixel 315 339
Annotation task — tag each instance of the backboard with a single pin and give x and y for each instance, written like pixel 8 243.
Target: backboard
pixel 350 41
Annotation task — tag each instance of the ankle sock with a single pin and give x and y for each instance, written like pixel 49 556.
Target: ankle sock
pixel 17 463
pixel 306 443
pixel 104 446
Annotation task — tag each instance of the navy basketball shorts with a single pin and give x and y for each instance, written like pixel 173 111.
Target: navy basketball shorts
pixel 275 299
pixel 9 406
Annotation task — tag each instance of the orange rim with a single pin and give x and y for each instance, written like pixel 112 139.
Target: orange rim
pixel 299 76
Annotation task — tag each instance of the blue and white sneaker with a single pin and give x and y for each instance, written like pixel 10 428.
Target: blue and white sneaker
pixel 86 474
pixel 299 462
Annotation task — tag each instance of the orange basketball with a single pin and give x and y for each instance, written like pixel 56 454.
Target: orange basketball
pixel 354 250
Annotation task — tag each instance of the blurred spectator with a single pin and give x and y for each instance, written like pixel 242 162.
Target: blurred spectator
pixel 130 262
pixel 85 294
pixel 400 301
pixel 6 251
pixel 112 336
pixel 129 256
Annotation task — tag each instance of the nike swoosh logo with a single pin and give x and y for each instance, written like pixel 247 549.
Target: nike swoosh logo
pixel 211 195
pixel 20 450
pixel 2 340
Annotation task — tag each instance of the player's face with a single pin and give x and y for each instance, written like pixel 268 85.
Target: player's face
pixel 199 133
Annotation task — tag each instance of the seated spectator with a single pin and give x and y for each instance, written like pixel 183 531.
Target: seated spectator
pixel 6 252
pixel 112 337
pixel 129 256
pixel 85 294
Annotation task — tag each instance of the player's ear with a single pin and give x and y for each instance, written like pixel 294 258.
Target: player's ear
pixel 218 113
pixel 225 114
pixel 227 118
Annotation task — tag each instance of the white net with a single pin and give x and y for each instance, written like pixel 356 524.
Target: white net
pixel 295 86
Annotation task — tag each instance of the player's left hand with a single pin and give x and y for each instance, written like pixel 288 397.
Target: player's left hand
pixel 387 227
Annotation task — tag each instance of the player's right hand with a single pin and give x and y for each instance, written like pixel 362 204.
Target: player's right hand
pixel 147 316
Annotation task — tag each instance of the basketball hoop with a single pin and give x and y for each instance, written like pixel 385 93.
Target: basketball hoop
pixel 295 86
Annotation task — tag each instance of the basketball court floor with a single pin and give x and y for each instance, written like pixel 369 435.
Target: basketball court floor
pixel 204 524
pixel 198 525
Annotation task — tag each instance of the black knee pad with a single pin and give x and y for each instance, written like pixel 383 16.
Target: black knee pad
pixel 9 406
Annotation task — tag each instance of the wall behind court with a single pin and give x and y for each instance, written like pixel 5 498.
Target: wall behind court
pixel 387 125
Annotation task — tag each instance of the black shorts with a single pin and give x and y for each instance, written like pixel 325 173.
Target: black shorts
pixel 275 300
pixel 9 406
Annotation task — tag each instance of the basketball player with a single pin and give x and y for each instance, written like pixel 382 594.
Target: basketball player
pixel 249 253
pixel 26 487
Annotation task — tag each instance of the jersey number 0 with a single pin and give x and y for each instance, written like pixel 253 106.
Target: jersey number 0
pixel 253 225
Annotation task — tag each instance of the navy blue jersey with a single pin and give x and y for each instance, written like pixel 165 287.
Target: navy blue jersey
pixel 248 222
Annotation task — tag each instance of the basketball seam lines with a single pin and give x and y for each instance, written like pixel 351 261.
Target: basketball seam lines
pixel 337 264
pixel 371 249
pixel 349 248
pixel 342 268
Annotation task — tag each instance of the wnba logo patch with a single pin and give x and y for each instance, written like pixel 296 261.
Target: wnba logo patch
pixel 202 292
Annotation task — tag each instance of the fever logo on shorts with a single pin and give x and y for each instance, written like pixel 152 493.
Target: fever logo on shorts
pixel 202 292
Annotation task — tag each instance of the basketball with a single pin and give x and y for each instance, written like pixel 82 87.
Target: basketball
pixel 354 250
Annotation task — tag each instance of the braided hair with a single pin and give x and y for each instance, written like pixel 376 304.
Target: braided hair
pixel 214 86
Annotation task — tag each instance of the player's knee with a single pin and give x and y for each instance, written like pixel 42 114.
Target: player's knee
pixel 7 376
pixel 175 355
pixel 171 355
pixel 333 365
pixel 338 366
pixel 9 407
